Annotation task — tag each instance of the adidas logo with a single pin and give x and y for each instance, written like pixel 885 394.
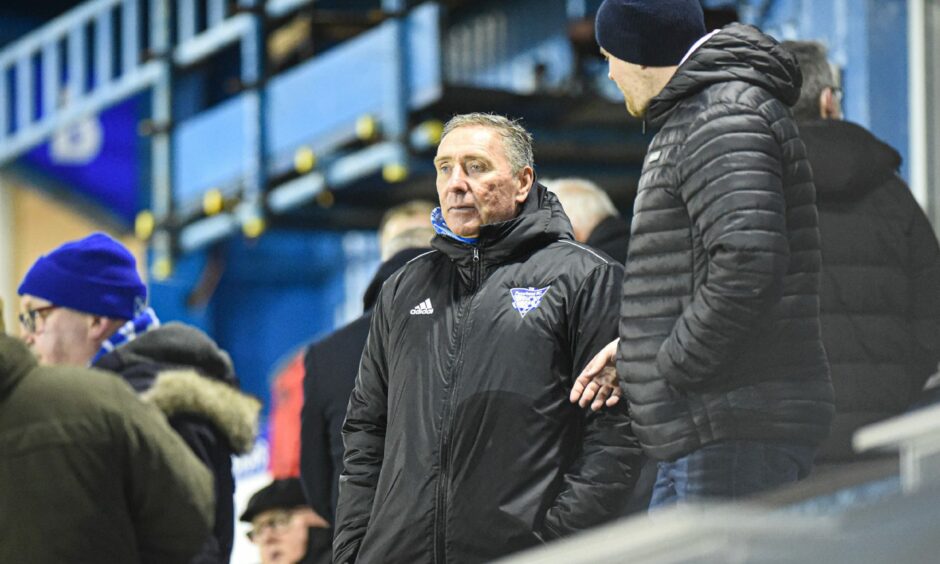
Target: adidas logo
pixel 424 308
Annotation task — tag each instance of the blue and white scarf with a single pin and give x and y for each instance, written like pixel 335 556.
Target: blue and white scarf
pixel 128 332
pixel 440 226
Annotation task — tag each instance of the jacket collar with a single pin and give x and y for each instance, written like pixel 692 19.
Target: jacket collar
pixel 15 363
pixel 736 53
pixel 540 222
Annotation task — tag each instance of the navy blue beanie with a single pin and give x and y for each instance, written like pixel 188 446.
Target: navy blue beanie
pixel 652 33
pixel 93 275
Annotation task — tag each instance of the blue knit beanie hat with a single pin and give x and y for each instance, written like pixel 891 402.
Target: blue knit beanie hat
pixel 93 275
pixel 652 33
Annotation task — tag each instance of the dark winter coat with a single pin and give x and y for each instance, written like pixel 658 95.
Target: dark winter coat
pixel 461 444
pixel 719 330
pixel 89 473
pixel 612 236
pixel 880 292
pixel 330 367
pixel 183 372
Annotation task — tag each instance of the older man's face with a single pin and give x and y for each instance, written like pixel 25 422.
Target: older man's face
pixel 281 535
pixel 475 182
pixel 56 335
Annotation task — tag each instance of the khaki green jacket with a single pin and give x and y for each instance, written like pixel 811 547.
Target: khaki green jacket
pixel 89 473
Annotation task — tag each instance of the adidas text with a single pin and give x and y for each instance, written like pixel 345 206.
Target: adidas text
pixel 424 308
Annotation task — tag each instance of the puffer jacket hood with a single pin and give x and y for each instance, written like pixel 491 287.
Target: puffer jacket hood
pixel 847 160
pixel 175 344
pixel 736 53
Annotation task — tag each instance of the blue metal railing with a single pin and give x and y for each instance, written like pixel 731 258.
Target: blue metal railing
pixel 48 80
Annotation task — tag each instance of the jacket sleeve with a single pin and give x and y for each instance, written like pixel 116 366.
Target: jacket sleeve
pixel 170 491
pixel 924 276
pixel 364 438
pixel 730 179
pixel 316 468
pixel 598 483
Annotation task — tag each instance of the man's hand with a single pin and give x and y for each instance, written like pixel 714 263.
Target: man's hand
pixel 598 384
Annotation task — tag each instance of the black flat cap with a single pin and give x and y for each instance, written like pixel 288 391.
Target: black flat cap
pixel 279 494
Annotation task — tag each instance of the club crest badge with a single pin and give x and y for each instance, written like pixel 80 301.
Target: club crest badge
pixel 525 300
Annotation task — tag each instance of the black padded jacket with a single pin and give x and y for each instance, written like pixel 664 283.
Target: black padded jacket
pixel 880 291
pixel 719 331
pixel 461 444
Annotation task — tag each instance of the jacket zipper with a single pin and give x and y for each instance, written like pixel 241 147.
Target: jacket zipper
pixel 440 523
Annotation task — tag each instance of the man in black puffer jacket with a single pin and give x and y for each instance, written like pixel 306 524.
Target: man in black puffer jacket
pixel 720 354
pixel 461 445
pixel 880 292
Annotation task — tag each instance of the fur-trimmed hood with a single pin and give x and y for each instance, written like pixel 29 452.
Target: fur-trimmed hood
pixel 184 392
pixel 183 371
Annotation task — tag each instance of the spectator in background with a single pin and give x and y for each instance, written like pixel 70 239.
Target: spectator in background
pixel 594 219
pixel 331 364
pixel 460 444
pixel 720 352
pixel 880 292
pixel 89 473
pixel 83 305
pixel 284 528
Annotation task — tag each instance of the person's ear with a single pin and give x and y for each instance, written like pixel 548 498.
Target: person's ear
pixel 526 179
pixel 100 328
pixel 829 105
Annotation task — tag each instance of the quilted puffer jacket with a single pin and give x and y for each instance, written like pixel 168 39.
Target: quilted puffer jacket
pixel 719 330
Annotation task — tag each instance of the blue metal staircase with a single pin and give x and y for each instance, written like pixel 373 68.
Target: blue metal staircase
pixel 364 112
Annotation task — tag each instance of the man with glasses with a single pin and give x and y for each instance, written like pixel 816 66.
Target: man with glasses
pixel 284 528
pixel 880 309
pixel 83 304
pixel 90 473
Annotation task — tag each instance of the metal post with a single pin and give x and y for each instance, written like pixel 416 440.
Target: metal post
pixel 917 98
pixel 185 20
pixel 4 102
pixel 215 13
pixel 252 77
pixel 396 110
pixel 161 141
pixel 130 42
pixel 24 93
pixel 104 45
pixel 50 79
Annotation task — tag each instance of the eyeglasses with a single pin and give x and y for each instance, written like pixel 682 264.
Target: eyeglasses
pixel 836 93
pixel 277 523
pixel 28 317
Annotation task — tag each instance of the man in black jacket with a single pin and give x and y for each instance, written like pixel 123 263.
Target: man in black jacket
pixel 83 305
pixel 720 354
pixel 880 292
pixel 332 363
pixel 461 445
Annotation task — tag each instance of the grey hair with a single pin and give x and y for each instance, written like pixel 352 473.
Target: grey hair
pixel 517 142
pixel 584 202
pixel 817 76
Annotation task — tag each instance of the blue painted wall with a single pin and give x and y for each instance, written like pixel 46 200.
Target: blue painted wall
pixel 276 293
pixel 868 39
